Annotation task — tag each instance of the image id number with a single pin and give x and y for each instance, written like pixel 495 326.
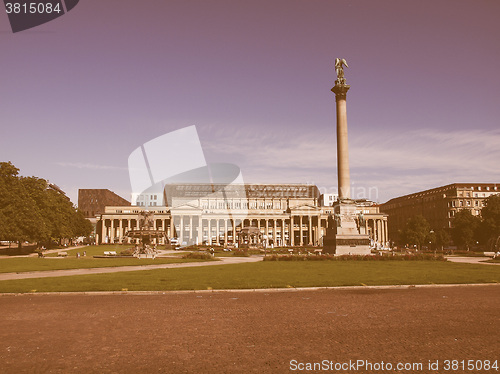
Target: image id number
pixel 470 365
pixel 32 8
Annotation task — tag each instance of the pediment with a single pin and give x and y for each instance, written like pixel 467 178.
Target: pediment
pixel 305 209
pixel 184 207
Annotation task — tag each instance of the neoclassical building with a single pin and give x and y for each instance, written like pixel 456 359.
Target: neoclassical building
pixel 266 215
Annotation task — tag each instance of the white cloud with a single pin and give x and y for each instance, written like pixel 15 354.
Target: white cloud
pixel 81 165
pixel 394 163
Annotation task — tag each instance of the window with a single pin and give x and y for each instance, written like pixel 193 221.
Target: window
pixel 461 203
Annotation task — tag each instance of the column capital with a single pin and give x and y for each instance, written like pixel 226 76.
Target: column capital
pixel 340 91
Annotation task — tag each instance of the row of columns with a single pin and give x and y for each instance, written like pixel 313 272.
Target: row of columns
pixel 379 231
pixel 111 233
pixel 298 230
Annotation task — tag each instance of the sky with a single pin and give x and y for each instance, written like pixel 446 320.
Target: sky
pixel 79 94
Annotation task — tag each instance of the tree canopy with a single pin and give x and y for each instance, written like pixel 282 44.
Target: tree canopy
pixel 464 228
pixel 32 211
pixel 417 231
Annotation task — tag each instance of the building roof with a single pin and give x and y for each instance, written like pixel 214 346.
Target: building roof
pixel 491 187
pixel 194 190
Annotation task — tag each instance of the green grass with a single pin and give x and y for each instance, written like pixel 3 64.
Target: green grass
pixel 267 275
pixel 23 264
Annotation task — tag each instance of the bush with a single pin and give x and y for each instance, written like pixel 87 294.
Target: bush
pixel 329 257
pixel 199 255
pixel 127 252
pixel 241 253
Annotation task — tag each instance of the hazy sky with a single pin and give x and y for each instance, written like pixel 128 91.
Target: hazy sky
pixel 80 93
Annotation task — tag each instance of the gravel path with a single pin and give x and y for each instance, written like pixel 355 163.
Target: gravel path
pixel 248 332
pixel 471 260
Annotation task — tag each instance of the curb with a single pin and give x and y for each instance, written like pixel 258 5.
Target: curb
pixel 291 289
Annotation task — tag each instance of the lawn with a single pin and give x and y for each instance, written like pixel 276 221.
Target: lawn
pixel 22 264
pixel 267 275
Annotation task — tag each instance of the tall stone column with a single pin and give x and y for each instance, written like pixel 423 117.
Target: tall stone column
pixel 309 222
pixel 103 232
pixel 340 90
pixel 209 242
pixel 200 230
pixel 190 229
pixel 217 237
pixel 225 232
pixel 301 241
pixel 112 231
pixel 121 231
pixel 282 244
pixel 234 231
pixel 275 238
pixel 181 229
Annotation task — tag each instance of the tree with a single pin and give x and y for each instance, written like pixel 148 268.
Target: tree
pixel 416 231
pixel 489 229
pixel 442 238
pixel 464 228
pixel 81 225
pixel 20 217
pixel 31 211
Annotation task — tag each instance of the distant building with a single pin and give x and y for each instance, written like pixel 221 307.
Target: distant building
pixel 92 202
pixel 328 199
pixel 438 205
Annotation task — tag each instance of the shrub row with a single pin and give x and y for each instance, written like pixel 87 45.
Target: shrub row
pixel 199 255
pixel 328 257
pixel 241 253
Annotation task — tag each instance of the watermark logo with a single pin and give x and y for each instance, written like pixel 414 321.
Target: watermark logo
pixel 26 14
pixel 171 171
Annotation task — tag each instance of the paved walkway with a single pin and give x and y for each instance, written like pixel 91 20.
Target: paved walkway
pixel 35 254
pixel 117 269
pixel 471 260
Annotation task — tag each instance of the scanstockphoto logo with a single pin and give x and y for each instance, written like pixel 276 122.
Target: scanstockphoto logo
pixel 171 171
pixel 26 14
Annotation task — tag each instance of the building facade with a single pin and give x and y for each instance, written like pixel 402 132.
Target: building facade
pixel 267 215
pixel 92 202
pixel 438 205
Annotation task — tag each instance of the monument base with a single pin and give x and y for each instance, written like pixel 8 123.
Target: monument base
pixel 349 236
pixel 354 245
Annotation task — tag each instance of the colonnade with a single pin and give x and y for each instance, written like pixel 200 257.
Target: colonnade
pixel 113 230
pixel 378 230
pixel 285 230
